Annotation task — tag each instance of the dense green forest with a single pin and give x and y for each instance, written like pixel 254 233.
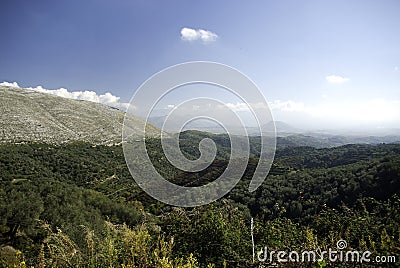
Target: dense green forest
pixel 76 205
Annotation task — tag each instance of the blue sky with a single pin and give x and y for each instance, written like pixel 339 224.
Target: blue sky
pixel 317 62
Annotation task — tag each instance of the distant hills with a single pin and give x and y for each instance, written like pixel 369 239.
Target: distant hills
pixel 209 126
pixel 287 135
pixel 322 141
pixel 200 125
pixel 32 116
pixel 29 116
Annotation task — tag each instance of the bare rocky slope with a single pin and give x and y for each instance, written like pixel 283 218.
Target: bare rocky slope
pixel 29 116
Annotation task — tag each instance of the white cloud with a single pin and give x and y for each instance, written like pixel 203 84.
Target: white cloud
pixel 86 95
pixel 239 106
pixel 336 79
pixel 188 34
pixel 287 106
pixel 396 68
pixel 8 84
pixel 207 36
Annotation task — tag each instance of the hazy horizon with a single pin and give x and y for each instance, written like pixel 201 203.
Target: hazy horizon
pixel 161 111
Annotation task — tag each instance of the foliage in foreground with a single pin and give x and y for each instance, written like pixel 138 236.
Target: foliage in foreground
pixel 119 246
pixel 219 236
pixel 76 205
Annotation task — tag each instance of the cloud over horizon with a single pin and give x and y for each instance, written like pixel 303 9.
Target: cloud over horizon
pixel 189 34
pixel 287 106
pixel 373 112
pixel 336 79
pixel 107 98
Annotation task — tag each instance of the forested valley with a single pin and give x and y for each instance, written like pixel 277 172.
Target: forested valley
pixel 76 205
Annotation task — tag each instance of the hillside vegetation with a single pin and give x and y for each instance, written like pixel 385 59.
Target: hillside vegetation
pixel 29 116
pixel 76 205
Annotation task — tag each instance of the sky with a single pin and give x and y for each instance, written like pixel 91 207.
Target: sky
pixel 319 64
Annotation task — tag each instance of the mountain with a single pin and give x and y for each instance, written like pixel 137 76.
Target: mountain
pixel 200 125
pixel 281 127
pixel 27 115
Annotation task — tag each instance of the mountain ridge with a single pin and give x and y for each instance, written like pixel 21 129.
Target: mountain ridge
pixel 29 116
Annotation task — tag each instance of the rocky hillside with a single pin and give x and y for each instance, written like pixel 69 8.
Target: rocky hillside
pixel 27 115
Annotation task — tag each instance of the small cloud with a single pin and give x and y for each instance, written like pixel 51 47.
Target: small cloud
pixel 188 34
pixel 396 68
pixel 336 79
pixel 8 84
pixel 237 107
pixel 242 107
pixel 287 106
pixel 107 98
pixel 207 36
